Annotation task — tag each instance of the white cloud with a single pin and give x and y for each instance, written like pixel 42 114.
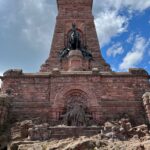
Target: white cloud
pixel 117 5
pixel 108 25
pixel 32 20
pixel 39 18
pixel 139 5
pixel 135 56
pixel 109 22
pixel 130 38
pixel 116 49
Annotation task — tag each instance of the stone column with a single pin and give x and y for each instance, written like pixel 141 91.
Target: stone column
pixel 146 102
pixel 75 59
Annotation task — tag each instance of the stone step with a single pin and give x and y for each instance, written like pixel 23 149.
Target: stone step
pixel 66 132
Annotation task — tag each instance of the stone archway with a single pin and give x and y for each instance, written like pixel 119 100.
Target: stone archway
pixel 76 96
pixel 85 91
pixel 81 93
pixel 76 109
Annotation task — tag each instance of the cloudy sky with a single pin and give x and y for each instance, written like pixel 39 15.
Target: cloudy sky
pixel 26 30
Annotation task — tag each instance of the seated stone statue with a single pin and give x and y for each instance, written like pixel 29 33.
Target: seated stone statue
pixel 75 115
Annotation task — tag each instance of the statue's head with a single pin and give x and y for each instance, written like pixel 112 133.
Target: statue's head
pixel 74 26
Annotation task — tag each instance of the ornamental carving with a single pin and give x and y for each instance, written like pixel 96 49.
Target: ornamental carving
pixel 76 111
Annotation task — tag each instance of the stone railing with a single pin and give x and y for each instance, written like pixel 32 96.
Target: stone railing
pixel 146 102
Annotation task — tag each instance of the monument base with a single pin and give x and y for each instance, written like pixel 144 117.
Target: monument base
pixel 75 60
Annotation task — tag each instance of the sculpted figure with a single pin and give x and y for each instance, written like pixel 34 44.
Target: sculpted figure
pixel 74 39
pixel 86 54
pixel 74 43
pixel 75 115
pixel 63 53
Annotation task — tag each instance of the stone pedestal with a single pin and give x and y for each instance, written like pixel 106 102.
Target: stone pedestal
pixel 75 59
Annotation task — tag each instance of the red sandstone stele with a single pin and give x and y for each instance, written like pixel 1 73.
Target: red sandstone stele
pixel 75 86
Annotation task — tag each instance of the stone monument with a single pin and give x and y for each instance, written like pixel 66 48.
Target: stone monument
pixel 75 84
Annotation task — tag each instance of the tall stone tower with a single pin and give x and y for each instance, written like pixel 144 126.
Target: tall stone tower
pixel 80 13
pixel 81 81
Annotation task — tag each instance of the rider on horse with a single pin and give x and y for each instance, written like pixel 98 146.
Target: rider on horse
pixel 74 39
pixel 74 43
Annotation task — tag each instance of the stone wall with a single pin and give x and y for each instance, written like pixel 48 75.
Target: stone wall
pixel 31 97
pixel 107 95
pixel 80 13
pixel 4 110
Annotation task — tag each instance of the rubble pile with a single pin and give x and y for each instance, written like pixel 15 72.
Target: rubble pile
pixel 114 135
pixel 83 143
pixel 123 130
pixel 39 132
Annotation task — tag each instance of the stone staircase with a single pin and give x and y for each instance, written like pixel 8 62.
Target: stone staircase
pixel 66 132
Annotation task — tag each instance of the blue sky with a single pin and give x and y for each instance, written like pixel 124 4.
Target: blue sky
pixel 26 30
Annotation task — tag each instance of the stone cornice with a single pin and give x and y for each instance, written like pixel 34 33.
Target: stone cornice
pixel 75 73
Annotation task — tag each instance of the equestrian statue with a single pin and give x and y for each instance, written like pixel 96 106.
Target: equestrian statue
pixel 74 43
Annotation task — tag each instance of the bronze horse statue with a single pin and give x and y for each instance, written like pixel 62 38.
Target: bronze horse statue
pixel 74 39
pixel 74 42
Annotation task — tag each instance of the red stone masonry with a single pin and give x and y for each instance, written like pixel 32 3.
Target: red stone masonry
pixel 79 12
pixel 46 94
pixel 108 95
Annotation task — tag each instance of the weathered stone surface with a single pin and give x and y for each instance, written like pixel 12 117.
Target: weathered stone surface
pixel 106 95
pixel 124 130
pixel 4 120
pixel 4 141
pixel 75 60
pixel 39 132
pixel 96 142
pixel 15 145
pixel 80 13
pixel 34 147
pixel 4 108
pixel 138 71
pixel 25 125
pixel 13 72
pixel 146 102
pixel 117 134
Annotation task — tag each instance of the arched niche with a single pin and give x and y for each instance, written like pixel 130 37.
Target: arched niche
pixel 81 37
pixel 80 91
